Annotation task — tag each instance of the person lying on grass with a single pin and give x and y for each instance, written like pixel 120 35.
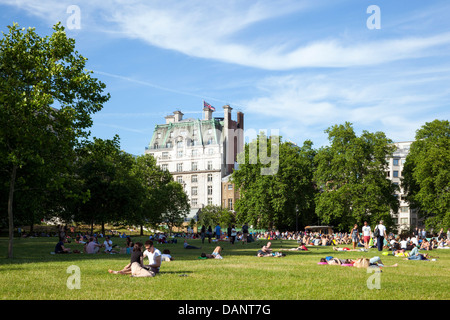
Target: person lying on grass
pixel 214 255
pixel 375 261
pixel 136 266
pixel 300 247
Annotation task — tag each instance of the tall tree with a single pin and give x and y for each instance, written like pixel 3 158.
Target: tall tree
pixel 47 98
pixel 351 173
pixel 152 181
pixel 281 198
pixel 176 204
pixel 426 174
pixel 105 171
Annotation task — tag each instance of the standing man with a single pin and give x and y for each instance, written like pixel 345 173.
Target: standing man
pixel 245 233
pixel 381 235
pixel 366 230
pixel 218 228
pixel 154 257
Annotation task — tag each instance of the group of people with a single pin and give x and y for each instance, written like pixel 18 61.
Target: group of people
pixel 231 234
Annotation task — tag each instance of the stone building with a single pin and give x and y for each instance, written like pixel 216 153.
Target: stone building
pixel 199 152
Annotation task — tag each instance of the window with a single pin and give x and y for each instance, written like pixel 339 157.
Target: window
pixel 194 178
pixel 179 167
pixel 194 191
pixel 395 162
pixel 194 202
pixel 210 165
pixel 210 151
pixel 171 134
pixel 209 177
pixel 180 179
pixel 404 209
pixel 159 135
pixel 395 174
pixel 210 141
pixel 230 187
pixel 195 153
pixel 155 146
pixel 179 153
pixel 210 190
pixel 210 202
pixel 165 166
pixel 165 155
pixel 194 166
pixel 230 204
pixel 169 144
pixel 403 220
pixel 180 144
pixel 388 174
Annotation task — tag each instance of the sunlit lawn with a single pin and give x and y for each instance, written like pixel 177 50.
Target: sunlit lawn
pixel 35 274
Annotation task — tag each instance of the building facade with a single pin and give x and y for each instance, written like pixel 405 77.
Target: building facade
pixel 407 218
pixel 199 153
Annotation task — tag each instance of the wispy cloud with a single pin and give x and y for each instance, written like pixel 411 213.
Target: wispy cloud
pixel 212 30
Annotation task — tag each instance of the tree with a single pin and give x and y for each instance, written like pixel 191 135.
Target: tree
pixel 212 215
pixel 106 174
pixel 426 173
pixel 351 173
pixel 277 199
pixel 152 181
pixel 176 204
pixel 47 98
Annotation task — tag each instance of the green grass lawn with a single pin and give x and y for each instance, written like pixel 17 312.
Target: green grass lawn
pixel 35 274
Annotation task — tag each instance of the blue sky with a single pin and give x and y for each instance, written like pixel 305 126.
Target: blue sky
pixel 295 66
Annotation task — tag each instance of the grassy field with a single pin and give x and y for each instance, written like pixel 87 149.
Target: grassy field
pixel 35 274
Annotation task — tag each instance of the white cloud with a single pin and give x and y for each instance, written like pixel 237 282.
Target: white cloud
pixel 303 105
pixel 212 30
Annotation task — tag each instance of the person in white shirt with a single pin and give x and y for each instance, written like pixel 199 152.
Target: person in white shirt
pixel 403 244
pixel 154 256
pixel 108 245
pixel 381 236
pixel 366 234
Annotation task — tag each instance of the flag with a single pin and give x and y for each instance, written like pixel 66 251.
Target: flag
pixel 207 105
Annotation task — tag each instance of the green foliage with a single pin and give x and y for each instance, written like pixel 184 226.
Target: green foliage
pixel 351 174
pixel 212 215
pixel 285 197
pixel 426 174
pixel 47 98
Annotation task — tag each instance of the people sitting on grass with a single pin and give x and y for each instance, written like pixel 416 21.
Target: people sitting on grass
pixel 266 251
pixel 166 256
pixel 136 266
pixel 92 246
pixel 108 244
pixel 60 248
pixel 153 255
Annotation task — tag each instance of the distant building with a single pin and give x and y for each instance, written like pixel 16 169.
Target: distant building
pixel 199 153
pixel 229 193
pixel 407 218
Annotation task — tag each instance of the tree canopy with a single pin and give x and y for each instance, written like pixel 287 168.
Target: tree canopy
pixel 426 173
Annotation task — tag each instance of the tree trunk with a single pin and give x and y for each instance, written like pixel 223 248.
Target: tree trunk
pixel 10 211
pixel 142 230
